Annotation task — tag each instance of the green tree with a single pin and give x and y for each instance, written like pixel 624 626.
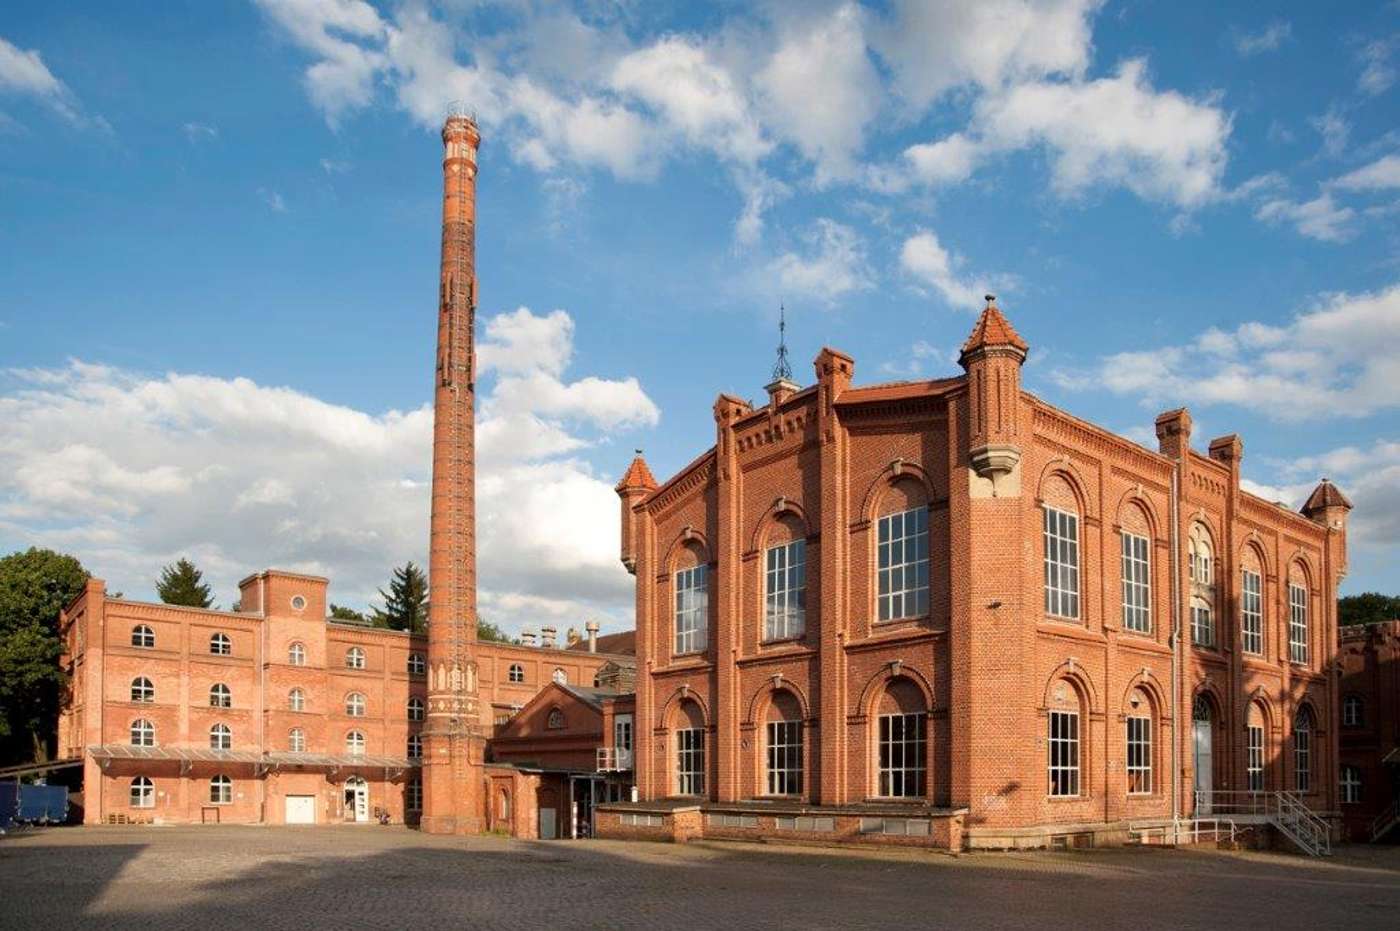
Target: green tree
pixel 34 587
pixel 485 630
pixel 342 613
pixel 1367 608
pixel 406 602
pixel 182 584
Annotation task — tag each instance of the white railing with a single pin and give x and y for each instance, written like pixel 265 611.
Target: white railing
pixel 1284 810
pixel 614 759
pixel 1194 831
pixel 1385 820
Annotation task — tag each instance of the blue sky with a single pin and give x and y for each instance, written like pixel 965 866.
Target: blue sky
pixel 220 235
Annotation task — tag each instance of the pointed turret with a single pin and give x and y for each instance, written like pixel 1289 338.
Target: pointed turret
pixel 992 330
pixel 992 356
pixel 1326 505
pixel 636 484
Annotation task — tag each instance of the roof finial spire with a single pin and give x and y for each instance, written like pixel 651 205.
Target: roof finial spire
pixel 782 369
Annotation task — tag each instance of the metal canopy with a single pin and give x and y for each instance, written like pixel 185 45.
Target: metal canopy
pixel 187 755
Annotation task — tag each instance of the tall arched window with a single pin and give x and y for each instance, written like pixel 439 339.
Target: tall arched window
pixel 692 607
pixel 1251 606
pixel 143 733
pixel 296 654
pixel 1136 562
pixel 785 581
pixel 296 740
pixel 690 749
pixel 220 645
pixel 784 745
pixel 142 690
pixel 296 700
pixel 220 790
pixel 416 665
pixel 355 743
pixel 1254 749
pixel 220 737
pixel 415 747
pixel 220 696
pixel 355 705
pixel 1302 749
pixel 901 553
pixel 902 741
pixel 1201 568
pixel 1061 542
pixel 354 658
pixel 1062 741
pixel 143 793
pixel 1139 744
pixel 415 709
pixel 516 673
pixel 1297 616
pixel 142 636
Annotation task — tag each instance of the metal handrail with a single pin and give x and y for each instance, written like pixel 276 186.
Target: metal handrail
pixel 1385 820
pixel 1285 810
pixel 1193 829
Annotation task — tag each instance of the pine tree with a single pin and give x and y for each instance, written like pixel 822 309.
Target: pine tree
pixel 406 602
pixel 342 613
pixel 183 584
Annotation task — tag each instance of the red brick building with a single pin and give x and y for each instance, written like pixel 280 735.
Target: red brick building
pixel 945 612
pixel 1370 730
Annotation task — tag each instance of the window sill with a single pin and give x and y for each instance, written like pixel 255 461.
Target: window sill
pixel 783 641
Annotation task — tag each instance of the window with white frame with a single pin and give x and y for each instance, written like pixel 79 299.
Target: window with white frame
pixel 1202 623
pixel 1302 750
pixel 1137 602
pixel 296 740
pixel 1063 756
pixel 355 743
pixel 220 737
pixel 1252 613
pixel 692 609
pixel 220 645
pixel 355 705
pixel 1061 532
pixel 143 793
pixel 1254 757
pixel 903 751
pixel 220 790
pixel 1297 623
pixel 354 658
pixel 296 654
pixel 220 696
pixel 142 690
pixel 414 793
pixel 415 747
pixel 516 673
pixel 784 757
pixel 902 564
pixel 1352 711
pixel 415 709
pixel 143 733
pixel 1199 556
pixel 296 700
pixel 142 636
pixel 416 665
pixel 1139 766
pixel 690 761
pixel 785 590
pixel 1351 785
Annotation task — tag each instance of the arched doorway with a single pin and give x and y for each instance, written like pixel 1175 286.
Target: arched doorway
pixel 1203 752
pixel 356 799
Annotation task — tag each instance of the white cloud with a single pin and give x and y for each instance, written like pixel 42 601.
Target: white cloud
pixel 833 265
pixel 946 161
pixel 1378 74
pixel 1382 174
pixel 924 257
pixel 273 199
pixel 1338 359
pixel 1320 218
pixel 1334 129
pixel 198 132
pixel 342 34
pixel 130 471
pixel 1267 39
pixel 334 166
pixel 24 73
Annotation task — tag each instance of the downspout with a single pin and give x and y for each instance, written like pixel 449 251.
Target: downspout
pixel 1174 562
pixel 262 693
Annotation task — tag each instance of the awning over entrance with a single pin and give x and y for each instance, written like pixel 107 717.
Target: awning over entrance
pixel 338 760
pixel 188 755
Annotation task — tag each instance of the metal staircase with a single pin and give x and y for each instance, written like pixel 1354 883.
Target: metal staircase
pixel 1386 820
pixel 1284 811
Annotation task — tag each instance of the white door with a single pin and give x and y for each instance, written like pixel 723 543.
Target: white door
pixel 1203 765
pixel 622 740
pixel 356 799
pixel 301 809
pixel 547 824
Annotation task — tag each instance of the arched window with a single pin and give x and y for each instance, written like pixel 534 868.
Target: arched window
pixel 220 696
pixel 1252 610
pixel 415 709
pixel 692 604
pixel 901 558
pixel 1201 710
pixel 690 749
pixel 220 790
pixel 503 804
pixel 355 743
pixel 142 690
pixel 1139 744
pixel 142 636
pixel 416 665
pixel 354 658
pixel 1351 785
pixel 296 700
pixel 1061 540
pixel 220 737
pixel 1137 580
pixel 1297 618
pixel 1201 561
pixel 785 582
pixel 784 745
pixel 902 740
pixel 516 673
pixel 556 718
pixel 561 677
pixel 1254 750
pixel 355 705
pixel 143 793
pixel 415 747
pixel 1062 741
pixel 1302 749
pixel 296 654
pixel 1353 711
pixel 296 740
pixel 143 733
pixel 1199 556
pixel 220 645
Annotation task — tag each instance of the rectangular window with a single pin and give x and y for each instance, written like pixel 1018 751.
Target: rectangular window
pixel 903 564
pixel 1137 612
pixel 1252 613
pixel 1302 759
pixel 1139 756
pixel 903 749
pixel 784 757
pixel 414 802
pixel 692 609
pixel 1061 564
pixel 1297 623
pixel 1254 757
pixel 1351 785
pixel 690 761
pixel 1064 753
pixel 1202 626
pixel 785 591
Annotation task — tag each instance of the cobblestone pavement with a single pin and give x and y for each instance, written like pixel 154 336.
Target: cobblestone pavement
pixel 389 877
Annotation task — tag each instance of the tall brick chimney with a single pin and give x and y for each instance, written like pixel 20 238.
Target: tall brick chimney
pixel 454 747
